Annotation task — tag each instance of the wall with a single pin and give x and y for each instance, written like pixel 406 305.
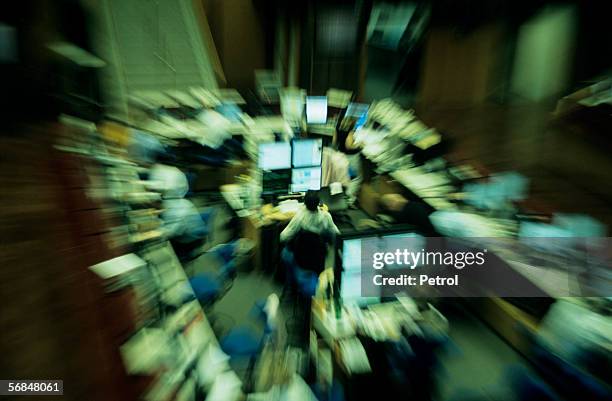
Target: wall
pixel 150 46
pixel 239 36
pixel 293 56
pixel 460 69
pixel 544 54
pixel 333 48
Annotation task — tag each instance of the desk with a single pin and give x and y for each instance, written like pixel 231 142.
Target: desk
pixel 432 187
pixel 263 214
pixel 383 152
pixel 403 182
pixel 384 175
pixel 379 322
pixel 357 351
pixel 254 220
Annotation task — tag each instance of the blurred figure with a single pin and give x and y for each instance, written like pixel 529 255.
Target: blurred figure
pixel 573 347
pixel 310 217
pixel 184 225
pixel 404 211
pixel 345 143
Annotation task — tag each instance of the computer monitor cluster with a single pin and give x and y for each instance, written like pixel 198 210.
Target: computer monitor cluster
pixel 348 262
pixel 291 167
pixel 292 105
pixel 317 109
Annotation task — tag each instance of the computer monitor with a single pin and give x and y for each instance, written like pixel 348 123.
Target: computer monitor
pixel 350 281
pixel 307 152
pixel 348 261
pixel 306 178
pixel 358 111
pixel 274 156
pixel 275 182
pixel 316 109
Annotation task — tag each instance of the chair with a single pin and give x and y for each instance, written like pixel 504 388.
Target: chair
pixel 188 251
pixel 209 287
pixel 207 217
pixel 335 392
pixel 243 342
pixel 304 259
pixel 301 282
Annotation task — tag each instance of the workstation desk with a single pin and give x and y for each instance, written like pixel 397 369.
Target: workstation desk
pixel 261 224
pixel 436 187
pixel 354 350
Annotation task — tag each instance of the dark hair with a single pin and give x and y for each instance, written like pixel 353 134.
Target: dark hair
pixel 311 200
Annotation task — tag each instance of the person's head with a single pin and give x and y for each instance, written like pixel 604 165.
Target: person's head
pixel 311 200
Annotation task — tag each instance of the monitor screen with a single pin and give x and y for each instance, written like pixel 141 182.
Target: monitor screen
pixel 350 290
pixel 276 182
pixel 357 110
pixel 304 179
pixel 351 255
pixel 274 156
pixel 316 109
pixel 307 152
pixel 350 281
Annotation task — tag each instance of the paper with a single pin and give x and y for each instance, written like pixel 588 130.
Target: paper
pixel 416 179
pixel 143 352
pixel 288 206
pixel 211 365
pixel 354 356
pixel 183 98
pixel 227 387
pixel 117 266
pixel 335 188
pixel 460 224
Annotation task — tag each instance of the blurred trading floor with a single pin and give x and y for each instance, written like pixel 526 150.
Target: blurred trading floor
pixel 566 166
pixel 475 351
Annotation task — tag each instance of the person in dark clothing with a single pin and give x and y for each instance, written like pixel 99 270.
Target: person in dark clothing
pixel 345 143
pixel 310 217
pixel 344 137
pixel 405 211
pixel 309 250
